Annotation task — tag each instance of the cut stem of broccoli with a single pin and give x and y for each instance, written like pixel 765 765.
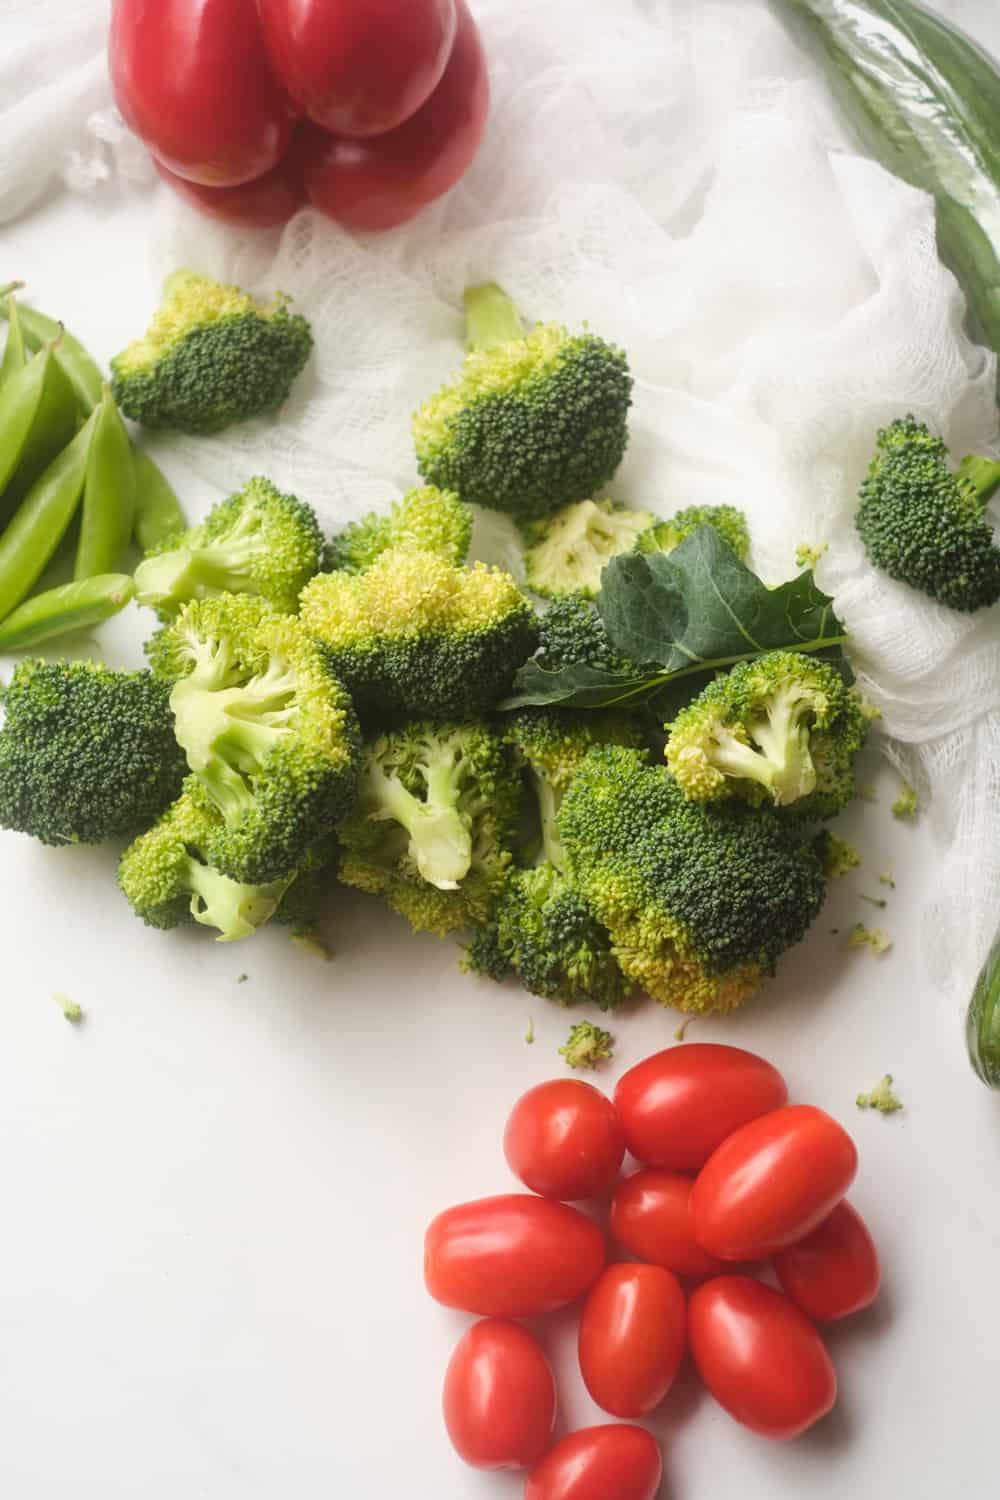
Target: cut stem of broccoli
pixel 490 317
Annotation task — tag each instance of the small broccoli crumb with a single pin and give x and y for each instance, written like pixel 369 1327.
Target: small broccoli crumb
pixel 587 1046
pixel 242 978
pixel 866 791
pixel 879 901
pixel 875 938
pixel 808 554
pixel 311 942
pixel 886 879
pixel 71 1009
pixel 838 856
pixel 881 1098
pixel 906 804
pixel 681 1031
pixel 529 1035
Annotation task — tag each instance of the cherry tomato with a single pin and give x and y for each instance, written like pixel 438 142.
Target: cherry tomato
pixel 760 1356
pixel 261 204
pixel 384 180
pixel 499 1397
pixel 834 1271
pixel 632 1338
pixel 359 69
pixel 599 1463
pixel 678 1105
pixel 772 1183
pixel 193 79
pixel 650 1217
pixel 513 1256
pixel 564 1140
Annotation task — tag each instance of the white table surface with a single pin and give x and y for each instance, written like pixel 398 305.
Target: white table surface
pixel 214 1194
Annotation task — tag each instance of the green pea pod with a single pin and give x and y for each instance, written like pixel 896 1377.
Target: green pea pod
pixel 982 1022
pixel 42 519
pixel 158 514
pixel 108 495
pixel 37 417
pixel 81 371
pixel 63 610
pixel 15 356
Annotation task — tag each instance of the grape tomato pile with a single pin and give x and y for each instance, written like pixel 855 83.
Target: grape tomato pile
pixel 732 1178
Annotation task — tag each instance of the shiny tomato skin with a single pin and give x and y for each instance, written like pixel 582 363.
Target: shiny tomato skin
pixel 632 1338
pixel 512 1256
pixel 499 1397
pixel 355 68
pixel 614 1462
pixel 264 203
pixel 760 1357
pixel 192 78
pixel 564 1140
pixel 679 1104
pixel 772 1183
pixel 835 1270
pixel 384 180
pixel 650 1216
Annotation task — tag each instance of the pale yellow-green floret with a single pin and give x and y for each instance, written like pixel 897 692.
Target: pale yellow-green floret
pixel 569 551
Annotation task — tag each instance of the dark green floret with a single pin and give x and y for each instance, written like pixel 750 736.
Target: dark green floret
pixel 572 633
pixel 727 520
pixel 301 907
pixel 922 522
pixel 566 553
pixel 211 356
pixel 425 520
pixel 86 753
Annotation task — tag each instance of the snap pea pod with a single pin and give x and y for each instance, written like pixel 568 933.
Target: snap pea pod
pixel 982 1021
pixel 63 610
pixel 108 495
pixel 37 416
pixel 81 371
pixel 15 356
pixel 158 513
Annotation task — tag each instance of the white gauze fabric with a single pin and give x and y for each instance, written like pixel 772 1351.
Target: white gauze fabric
pixel 671 172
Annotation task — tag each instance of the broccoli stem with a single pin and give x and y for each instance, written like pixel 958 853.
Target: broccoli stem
pixel 440 842
pixel 784 739
pixel 490 317
pixel 981 476
pixel 235 910
pixel 552 851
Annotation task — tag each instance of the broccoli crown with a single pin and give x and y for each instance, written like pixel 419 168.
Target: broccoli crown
pixel 415 636
pixel 86 753
pixel 699 901
pixel 211 356
pixel 784 727
pixel 922 522
pixel 567 552
pixel 425 520
pixel 302 903
pixel 168 879
pixel 533 421
pixel 268 731
pixel 727 520
pixel 258 541
pixel 587 1046
pixel 572 633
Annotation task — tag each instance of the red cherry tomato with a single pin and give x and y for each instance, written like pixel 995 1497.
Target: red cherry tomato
pixel 632 1338
pixel 499 1397
pixel 678 1105
pixel 261 204
pixel 359 69
pixel 772 1183
pixel 514 1256
pixel 564 1140
pixel 833 1271
pixel 193 79
pixel 599 1463
pixel 650 1217
pixel 760 1356
pixel 384 180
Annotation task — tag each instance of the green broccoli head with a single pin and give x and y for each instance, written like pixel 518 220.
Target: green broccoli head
pixel 783 728
pixel 587 1045
pixel 435 821
pixel 568 551
pixel 415 636
pixel 268 731
pixel 572 633
pixel 211 356
pixel 425 520
pixel 922 522
pixel 533 421
pixel 258 541
pixel 699 901
pixel 730 523
pixel 168 878
pixel 86 753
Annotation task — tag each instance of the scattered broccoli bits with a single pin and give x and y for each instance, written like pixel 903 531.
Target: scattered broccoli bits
pixel 567 552
pixel 808 554
pixel 71 1009
pixel 923 522
pixel 907 804
pixel 424 520
pixel 838 856
pixel 86 753
pixel 875 938
pixel 881 1098
pixel 211 356
pixel 533 421
pixel 727 520
pixel 587 1046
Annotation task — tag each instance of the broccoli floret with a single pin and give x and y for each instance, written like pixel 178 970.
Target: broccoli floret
pixel 783 728
pixel 699 901
pixel 434 824
pixel 415 636
pixel 808 554
pixel 86 753
pixel 301 906
pixel 533 421
pixel 881 1098
pixel 425 520
pixel 837 855
pixel 907 804
pixel 211 356
pixel 730 523
pixel 572 633
pixel 259 541
pixel 267 729
pixel 168 878
pixel 875 938
pixel 566 553
pixel 922 522
pixel 587 1046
